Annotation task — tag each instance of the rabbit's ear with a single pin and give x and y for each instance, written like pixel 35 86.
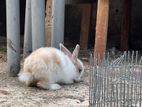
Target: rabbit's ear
pixel 75 52
pixel 65 50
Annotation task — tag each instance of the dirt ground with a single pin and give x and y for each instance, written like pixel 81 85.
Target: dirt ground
pixel 15 94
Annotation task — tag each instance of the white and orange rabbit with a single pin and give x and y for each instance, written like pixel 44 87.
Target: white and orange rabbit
pixel 48 66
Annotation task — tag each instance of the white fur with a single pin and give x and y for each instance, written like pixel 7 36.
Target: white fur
pixel 36 67
pixel 54 87
pixel 25 77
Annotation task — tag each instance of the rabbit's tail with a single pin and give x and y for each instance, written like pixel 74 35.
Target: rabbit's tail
pixel 25 77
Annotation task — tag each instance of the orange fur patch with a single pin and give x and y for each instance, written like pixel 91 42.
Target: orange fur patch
pixel 42 83
pixel 56 59
pixel 53 56
pixel 34 61
pixel 31 83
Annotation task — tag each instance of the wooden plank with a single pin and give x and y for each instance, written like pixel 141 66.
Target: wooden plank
pixel 79 1
pixel 125 25
pixel 48 22
pixel 85 25
pixel 101 27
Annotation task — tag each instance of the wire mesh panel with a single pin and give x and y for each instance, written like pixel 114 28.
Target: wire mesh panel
pixel 116 83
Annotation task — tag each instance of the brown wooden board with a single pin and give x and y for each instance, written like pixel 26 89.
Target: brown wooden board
pixel 48 22
pixel 101 27
pixel 125 25
pixel 85 25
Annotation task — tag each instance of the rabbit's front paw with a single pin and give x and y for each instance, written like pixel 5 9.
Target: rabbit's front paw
pixel 77 80
pixel 69 82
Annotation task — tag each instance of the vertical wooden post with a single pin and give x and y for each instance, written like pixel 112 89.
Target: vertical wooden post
pixel 101 27
pixel 58 13
pixel 85 25
pixel 13 37
pixel 125 25
pixel 48 22
pixel 38 23
pixel 28 30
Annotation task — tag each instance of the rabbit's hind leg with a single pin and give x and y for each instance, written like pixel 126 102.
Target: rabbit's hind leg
pixel 54 87
pixel 46 85
pixel 42 84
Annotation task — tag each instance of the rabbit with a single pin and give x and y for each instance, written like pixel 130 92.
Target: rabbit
pixel 46 67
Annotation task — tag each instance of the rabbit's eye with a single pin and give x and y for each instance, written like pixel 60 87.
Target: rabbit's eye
pixel 80 70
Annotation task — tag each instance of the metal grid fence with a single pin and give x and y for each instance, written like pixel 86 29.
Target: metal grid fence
pixel 116 83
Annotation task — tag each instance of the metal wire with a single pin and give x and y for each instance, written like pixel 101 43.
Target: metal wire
pixel 116 83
